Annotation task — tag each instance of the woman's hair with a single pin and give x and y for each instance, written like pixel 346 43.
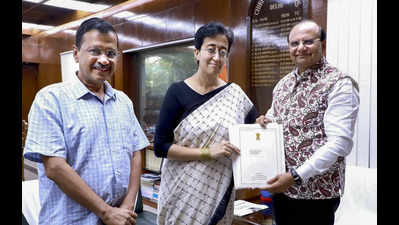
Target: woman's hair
pixel 210 30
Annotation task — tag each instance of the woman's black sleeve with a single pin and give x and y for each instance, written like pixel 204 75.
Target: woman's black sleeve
pixel 251 116
pixel 168 119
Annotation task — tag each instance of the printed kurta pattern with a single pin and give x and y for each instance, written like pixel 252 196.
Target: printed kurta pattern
pixel 300 106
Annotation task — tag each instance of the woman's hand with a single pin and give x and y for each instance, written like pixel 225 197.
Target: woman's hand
pixel 223 148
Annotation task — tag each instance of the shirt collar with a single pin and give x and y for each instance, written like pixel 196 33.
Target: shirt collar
pixel 79 89
pixel 109 90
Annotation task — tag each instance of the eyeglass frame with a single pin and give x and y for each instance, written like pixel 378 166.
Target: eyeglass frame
pixel 212 51
pixel 103 52
pixel 303 43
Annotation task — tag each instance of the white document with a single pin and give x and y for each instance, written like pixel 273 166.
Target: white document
pixel 242 207
pixel 262 154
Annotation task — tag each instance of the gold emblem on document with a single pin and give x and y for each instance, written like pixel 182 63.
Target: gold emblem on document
pixel 258 136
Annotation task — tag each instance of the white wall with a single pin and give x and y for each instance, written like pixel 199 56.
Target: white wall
pixel 68 66
pixel 352 47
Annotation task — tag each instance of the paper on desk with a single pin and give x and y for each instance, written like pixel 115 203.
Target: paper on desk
pixel 242 207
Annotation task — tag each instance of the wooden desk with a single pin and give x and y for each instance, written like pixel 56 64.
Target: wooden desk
pixel 150 203
pixel 257 218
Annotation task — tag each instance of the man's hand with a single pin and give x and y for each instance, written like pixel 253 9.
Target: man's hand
pixel 262 121
pixel 119 216
pixel 125 206
pixel 280 183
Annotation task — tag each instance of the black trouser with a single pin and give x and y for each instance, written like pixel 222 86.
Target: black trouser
pixel 289 211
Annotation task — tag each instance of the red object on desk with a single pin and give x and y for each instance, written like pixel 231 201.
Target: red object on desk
pixel 265 196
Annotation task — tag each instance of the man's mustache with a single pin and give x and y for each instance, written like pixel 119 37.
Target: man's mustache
pixel 101 67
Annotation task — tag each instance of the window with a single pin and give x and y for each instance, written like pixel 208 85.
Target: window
pixel 159 68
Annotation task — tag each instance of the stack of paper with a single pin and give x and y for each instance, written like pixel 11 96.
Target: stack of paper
pixel 242 207
pixel 150 186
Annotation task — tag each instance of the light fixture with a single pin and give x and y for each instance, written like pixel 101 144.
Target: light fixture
pixel 35 26
pixel 73 4
pixel 124 14
pixel 77 5
pixel 33 1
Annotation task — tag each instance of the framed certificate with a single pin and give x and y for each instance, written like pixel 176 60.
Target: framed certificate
pixel 262 154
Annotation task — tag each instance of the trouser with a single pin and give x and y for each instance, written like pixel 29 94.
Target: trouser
pixel 289 211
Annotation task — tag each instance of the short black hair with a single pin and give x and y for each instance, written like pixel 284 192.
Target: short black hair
pixel 212 29
pixel 322 33
pixel 94 23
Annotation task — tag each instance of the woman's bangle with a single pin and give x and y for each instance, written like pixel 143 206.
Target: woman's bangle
pixel 205 154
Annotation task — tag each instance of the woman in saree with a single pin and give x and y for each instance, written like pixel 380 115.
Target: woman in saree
pixel 197 184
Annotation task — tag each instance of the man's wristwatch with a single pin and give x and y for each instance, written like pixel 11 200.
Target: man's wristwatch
pixel 297 178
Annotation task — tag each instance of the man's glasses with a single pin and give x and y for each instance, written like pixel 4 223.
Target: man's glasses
pixel 307 43
pixel 110 53
pixel 212 51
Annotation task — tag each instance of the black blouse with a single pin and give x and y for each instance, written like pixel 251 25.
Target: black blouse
pixel 180 100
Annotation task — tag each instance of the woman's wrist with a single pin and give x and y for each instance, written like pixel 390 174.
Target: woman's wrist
pixel 205 154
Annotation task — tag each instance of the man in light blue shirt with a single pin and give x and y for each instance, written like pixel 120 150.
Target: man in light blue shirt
pixel 86 138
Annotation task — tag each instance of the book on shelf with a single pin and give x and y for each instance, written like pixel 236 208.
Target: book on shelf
pixel 150 186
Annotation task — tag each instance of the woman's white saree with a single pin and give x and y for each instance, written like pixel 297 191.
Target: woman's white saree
pixel 191 191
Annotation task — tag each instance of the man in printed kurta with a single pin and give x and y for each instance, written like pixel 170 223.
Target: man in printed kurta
pixel 317 105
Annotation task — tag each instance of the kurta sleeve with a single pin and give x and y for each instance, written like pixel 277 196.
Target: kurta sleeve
pixel 339 121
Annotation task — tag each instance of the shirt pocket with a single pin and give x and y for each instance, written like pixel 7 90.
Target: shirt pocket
pixel 128 137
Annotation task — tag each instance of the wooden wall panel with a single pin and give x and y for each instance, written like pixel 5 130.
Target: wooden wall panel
pixel 239 56
pixel 127 35
pixel 153 28
pixel 180 22
pixel 318 13
pixel 210 10
pixel 130 82
pixel 118 75
pixel 48 74
pixel 29 87
pixel 30 50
